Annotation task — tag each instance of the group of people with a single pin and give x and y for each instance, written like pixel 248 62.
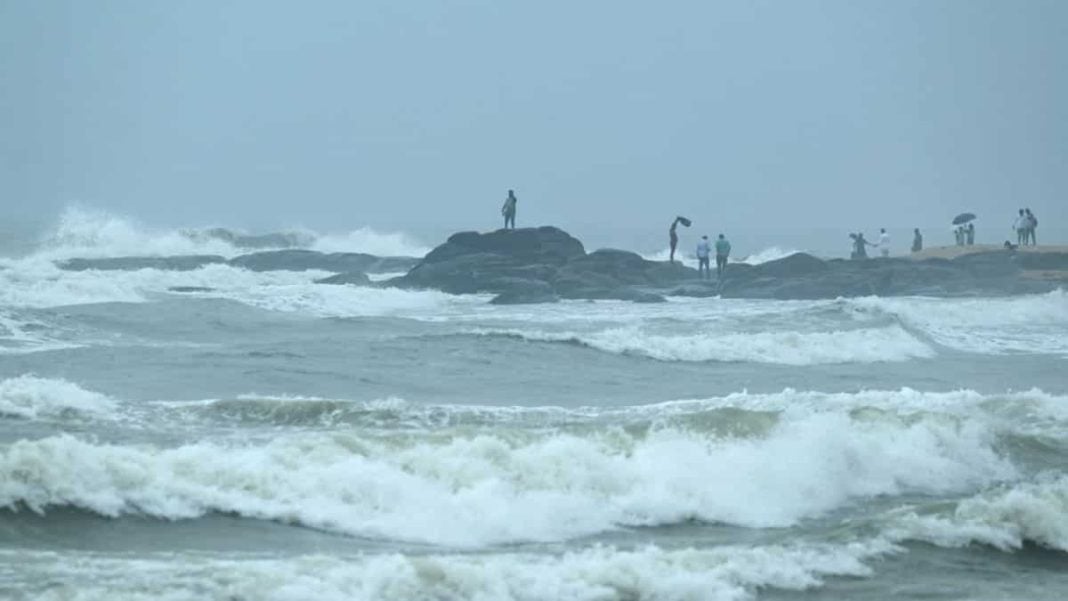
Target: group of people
pixel 704 250
pixel 1025 226
pixel 965 235
pixel 861 244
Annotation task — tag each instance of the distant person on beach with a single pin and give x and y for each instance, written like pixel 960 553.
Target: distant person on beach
pixel 1020 225
pixel 508 210
pixel 723 252
pixel 1032 225
pixel 884 243
pixel 704 250
pixel 917 240
pixel 674 236
pixel 970 234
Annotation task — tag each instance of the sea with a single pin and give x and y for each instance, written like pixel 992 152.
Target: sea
pixel 267 437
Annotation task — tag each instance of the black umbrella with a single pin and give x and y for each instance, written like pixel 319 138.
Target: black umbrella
pixel 963 218
pixel 684 221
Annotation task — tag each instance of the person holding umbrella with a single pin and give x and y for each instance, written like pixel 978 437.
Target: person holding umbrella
pixel 674 237
pixel 961 231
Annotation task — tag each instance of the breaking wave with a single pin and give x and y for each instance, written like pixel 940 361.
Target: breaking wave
pixel 1005 518
pixel 597 573
pixel 1037 323
pixel 506 486
pixel 773 253
pixel 34 398
pixel 870 345
pixel 88 233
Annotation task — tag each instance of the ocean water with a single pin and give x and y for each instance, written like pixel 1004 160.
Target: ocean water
pixel 276 439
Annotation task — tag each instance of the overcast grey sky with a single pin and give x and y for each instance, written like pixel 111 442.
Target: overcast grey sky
pixel 419 115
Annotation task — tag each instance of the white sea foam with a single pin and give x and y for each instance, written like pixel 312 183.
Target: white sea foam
pixel 35 283
pixel 773 253
pixel 1037 323
pixel 20 336
pixel 1005 518
pixel 867 345
pixel 32 397
pixel 367 240
pixel 599 573
pixel 92 233
pixel 488 488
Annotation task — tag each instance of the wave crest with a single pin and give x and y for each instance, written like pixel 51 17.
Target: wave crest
pixel 447 489
pixel 870 345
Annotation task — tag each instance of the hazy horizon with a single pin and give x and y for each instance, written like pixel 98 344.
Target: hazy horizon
pixel 780 123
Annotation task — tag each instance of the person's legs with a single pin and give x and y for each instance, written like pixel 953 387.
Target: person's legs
pixel 674 244
pixel 1021 236
pixel 1034 241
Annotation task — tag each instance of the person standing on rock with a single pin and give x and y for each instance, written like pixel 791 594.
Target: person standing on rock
pixel 704 250
pixel 673 236
pixel 917 240
pixel 1020 225
pixel 1032 224
pixel 970 233
pixel 884 243
pixel 723 252
pixel 860 246
pixel 508 210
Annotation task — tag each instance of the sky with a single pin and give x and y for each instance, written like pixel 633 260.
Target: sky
pixel 774 120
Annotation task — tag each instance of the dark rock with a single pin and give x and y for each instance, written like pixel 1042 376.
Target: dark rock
pixel 539 265
pixel 470 262
pixel 610 267
pixel 304 260
pixel 1050 261
pixel 795 265
pixel 177 263
pixel 989 264
pixel 355 278
pixel 543 245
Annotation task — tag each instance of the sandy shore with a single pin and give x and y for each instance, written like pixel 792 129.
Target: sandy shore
pixel 952 252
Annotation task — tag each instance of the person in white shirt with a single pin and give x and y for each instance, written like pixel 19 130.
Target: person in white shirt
pixel 1020 225
pixel 704 250
pixel 884 243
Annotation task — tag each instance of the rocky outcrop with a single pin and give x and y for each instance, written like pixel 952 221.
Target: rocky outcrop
pixel 538 265
pixel 546 264
pixel 805 277
pixel 496 262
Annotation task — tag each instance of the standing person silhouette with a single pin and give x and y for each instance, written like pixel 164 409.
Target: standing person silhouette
pixel 723 252
pixel 673 238
pixel 508 210
pixel 704 249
